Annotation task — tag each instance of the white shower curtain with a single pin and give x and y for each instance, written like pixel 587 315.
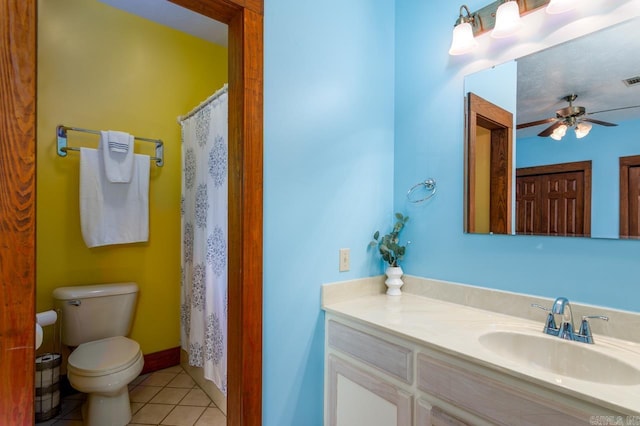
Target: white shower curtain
pixel 204 237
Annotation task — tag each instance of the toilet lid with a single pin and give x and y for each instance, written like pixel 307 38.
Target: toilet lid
pixel 104 356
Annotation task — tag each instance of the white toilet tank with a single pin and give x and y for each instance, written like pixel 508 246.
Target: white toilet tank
pixel 92 312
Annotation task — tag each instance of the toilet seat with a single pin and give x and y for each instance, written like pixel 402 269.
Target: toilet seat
pixel 104 357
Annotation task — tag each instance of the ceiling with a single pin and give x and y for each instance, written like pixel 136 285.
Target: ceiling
pixel 174 16
pixel 592 67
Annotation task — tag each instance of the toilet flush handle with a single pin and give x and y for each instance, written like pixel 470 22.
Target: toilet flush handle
pixel 75 302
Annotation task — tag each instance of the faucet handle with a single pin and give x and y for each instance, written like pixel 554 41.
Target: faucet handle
pixel 550 326
pixel 602 317
pixel 585 329
pixel 535 305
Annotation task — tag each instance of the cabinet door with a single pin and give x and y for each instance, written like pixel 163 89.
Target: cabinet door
pixel 357 397
pixel 554 199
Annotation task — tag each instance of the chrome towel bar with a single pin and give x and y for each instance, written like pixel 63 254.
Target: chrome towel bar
pixel 61 134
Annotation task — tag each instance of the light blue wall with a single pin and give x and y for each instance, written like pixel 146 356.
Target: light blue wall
pixel 429 142
pixel 603 146
pixel 498 85
pixel 347 131
pixel 328 179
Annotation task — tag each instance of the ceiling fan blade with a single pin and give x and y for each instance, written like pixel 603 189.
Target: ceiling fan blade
pixel 613 109
pixel 602 123
pixel 547 132
pixel 534 123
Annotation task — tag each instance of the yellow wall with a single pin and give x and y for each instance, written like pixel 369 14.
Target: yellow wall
pixel 101 68
pixel 483 180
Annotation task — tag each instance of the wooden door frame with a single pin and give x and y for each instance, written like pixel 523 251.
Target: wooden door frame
pixel 480 112
pixel 17 205
pixel 17 210
pixel 625 164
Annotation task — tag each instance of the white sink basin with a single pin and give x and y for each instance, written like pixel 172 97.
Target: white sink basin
pixel 557 356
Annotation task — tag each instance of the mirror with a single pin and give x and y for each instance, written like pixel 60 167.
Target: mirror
pixel 584 183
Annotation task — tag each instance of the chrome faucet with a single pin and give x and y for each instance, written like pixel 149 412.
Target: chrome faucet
pixel 562 307
pixel 566 330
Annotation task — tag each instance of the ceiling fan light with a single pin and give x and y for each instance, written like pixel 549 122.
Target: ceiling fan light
pixel 559 132
pixel 507 20
pixel 582 129
pixel 463 40
pixel 560 6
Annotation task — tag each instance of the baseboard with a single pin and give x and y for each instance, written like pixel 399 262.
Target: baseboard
pixel 161 360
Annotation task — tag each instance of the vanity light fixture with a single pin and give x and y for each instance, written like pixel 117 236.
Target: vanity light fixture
pixel 507 20
pixel 463 40
pixel 501 16
pixel 561 6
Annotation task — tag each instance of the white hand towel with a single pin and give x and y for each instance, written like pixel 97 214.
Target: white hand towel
pixel 119 141
pixel 117 151
pixel 113 213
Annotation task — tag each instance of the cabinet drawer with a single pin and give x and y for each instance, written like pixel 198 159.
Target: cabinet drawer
pixel 490 399
pixel 427 415
pixel 393 359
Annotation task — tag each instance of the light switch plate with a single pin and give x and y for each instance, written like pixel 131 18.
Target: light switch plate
pixel 344 259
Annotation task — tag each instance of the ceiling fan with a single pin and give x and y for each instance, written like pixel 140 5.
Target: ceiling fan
pixel 571 116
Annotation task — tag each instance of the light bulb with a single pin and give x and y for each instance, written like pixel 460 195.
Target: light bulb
pixel 463 40
pixel 507 20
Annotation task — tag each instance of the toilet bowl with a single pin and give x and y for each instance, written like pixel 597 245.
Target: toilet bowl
pixel 95 320
pixel 103 370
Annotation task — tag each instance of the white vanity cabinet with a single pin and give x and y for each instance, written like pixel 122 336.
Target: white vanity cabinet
pixel 376 378
pixel 368 379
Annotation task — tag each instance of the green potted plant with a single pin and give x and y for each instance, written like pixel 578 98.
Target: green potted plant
pixel 392 252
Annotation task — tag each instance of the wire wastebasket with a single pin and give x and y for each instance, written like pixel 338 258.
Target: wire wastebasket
pixel 47 403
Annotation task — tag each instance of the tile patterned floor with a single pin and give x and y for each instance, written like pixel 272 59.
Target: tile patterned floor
pixel 165 397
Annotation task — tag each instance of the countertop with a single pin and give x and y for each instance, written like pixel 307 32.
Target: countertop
pixel 455 329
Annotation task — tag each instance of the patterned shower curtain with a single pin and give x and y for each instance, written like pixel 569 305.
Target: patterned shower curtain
pixel 204 237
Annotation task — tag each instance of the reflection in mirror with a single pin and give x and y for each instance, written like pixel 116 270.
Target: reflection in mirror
pixel 576 149
pixel 489 128
pixel 490 165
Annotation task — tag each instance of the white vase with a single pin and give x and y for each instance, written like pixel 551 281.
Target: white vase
pixel 394 280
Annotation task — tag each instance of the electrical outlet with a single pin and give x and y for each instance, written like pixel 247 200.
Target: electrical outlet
pixel 344 259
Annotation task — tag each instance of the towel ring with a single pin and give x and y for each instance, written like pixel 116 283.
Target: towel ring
pixel 429 185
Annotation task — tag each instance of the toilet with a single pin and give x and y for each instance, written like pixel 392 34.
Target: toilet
pixel 95 319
